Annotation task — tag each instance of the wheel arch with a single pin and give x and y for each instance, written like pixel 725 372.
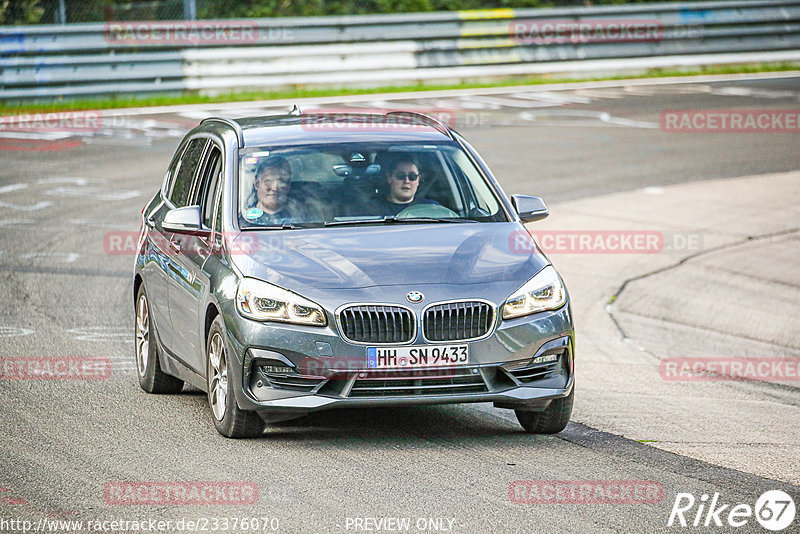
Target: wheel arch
pixel 211 313
pixel 137 282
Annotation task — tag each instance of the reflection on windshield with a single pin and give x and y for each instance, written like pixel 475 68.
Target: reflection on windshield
pixel 346 183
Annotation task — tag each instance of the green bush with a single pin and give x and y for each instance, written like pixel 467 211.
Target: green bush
pixel 46 11
pixel 287 8
pixel 20 12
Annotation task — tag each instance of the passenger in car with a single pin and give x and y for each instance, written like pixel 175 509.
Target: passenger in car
pixel 273 181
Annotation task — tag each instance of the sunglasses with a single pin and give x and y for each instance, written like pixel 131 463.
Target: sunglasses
pixel 400 176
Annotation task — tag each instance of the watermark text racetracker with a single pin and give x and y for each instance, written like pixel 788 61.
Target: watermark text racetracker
pixel 64 122
pixel 585 492
pixel 355 119
pixel 730 121
pixel 713 369
pixel 603 241
pixel 180 493
pixel 212 32
pixel 55 368
pixel 550 31
pixel 126 243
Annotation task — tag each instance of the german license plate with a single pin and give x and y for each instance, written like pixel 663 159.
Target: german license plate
pixel 417 356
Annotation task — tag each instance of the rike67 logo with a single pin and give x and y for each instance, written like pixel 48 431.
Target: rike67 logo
pixel 774 510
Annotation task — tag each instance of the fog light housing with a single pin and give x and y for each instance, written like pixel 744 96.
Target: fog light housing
pixel 276 367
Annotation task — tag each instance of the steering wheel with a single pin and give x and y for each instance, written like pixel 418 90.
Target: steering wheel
pixel 434 211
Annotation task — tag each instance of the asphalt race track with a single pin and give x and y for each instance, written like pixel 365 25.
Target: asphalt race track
pixel 595 153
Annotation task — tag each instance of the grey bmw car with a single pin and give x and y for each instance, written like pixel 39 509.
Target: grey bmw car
pixel 303 262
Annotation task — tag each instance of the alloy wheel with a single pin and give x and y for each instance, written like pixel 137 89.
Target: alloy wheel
pixel 218 380
pixel 142 335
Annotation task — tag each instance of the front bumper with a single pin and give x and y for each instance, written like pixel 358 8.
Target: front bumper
pixel 520 397
pixel 524 364
pixel 513 367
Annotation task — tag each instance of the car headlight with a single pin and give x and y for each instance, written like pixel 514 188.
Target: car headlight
pixel 261 301
pixel 541 293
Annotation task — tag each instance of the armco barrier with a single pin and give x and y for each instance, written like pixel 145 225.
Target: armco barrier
pixel 211 56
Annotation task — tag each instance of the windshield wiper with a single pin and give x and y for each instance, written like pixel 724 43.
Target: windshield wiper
pixel 271 227
pixel 394 220
pixel 354 222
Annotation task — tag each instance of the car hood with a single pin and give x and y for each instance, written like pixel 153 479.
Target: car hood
pixel 367 256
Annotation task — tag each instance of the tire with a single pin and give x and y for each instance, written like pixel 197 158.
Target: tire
pixel 151 378
pixel 229 420
pixel 550 421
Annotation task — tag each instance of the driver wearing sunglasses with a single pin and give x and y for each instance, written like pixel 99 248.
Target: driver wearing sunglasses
pixel 403 181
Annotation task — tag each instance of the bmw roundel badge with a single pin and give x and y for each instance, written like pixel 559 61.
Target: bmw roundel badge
pixel 415 297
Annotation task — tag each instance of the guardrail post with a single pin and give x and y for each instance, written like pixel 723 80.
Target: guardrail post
pixel 189 10
pixel 62 12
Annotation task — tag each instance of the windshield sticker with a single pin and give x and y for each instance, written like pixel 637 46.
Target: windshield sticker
pixel 252 159
pixel 253 213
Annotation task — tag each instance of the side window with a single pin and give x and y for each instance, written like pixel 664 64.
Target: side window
pixel 476 189
pixel 208 184
pixel 179 195
pixel 169 178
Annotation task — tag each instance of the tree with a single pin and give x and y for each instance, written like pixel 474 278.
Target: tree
pixel 20 11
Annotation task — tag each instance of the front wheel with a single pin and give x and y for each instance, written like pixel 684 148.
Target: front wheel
pixel 550 421
pixel 229 420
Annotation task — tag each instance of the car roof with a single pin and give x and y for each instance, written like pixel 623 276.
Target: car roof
pixel 338 127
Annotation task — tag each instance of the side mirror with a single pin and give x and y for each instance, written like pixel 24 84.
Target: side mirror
pixel 184 220
pixel 529 208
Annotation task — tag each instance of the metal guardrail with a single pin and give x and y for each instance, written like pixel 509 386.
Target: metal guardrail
pixel 118 58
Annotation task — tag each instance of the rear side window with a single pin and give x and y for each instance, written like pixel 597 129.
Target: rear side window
pixel 187 167
pixel 218 220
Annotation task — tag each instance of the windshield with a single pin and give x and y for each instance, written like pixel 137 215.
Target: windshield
pixel 379 183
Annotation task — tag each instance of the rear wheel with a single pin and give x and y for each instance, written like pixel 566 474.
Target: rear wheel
pixel 151 378
pixel 550 421
pixel 229 420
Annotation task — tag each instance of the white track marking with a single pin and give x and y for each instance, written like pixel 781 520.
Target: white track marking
pixel 66 257
pixel 204 110
pixel 601 116
pixel 13 331
pixel 32 207
pixel 755 92
pixel 101 333
pixel 198 114
pixel 659 90
pixel 100 223
pixel 602 93
pixel 123 357
pixel 653 190
pixel 12 187
pixel 93 193
pixel 381 104
pixel 549 96
pixel 37 136
pixel 63 180
pixel 14 222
